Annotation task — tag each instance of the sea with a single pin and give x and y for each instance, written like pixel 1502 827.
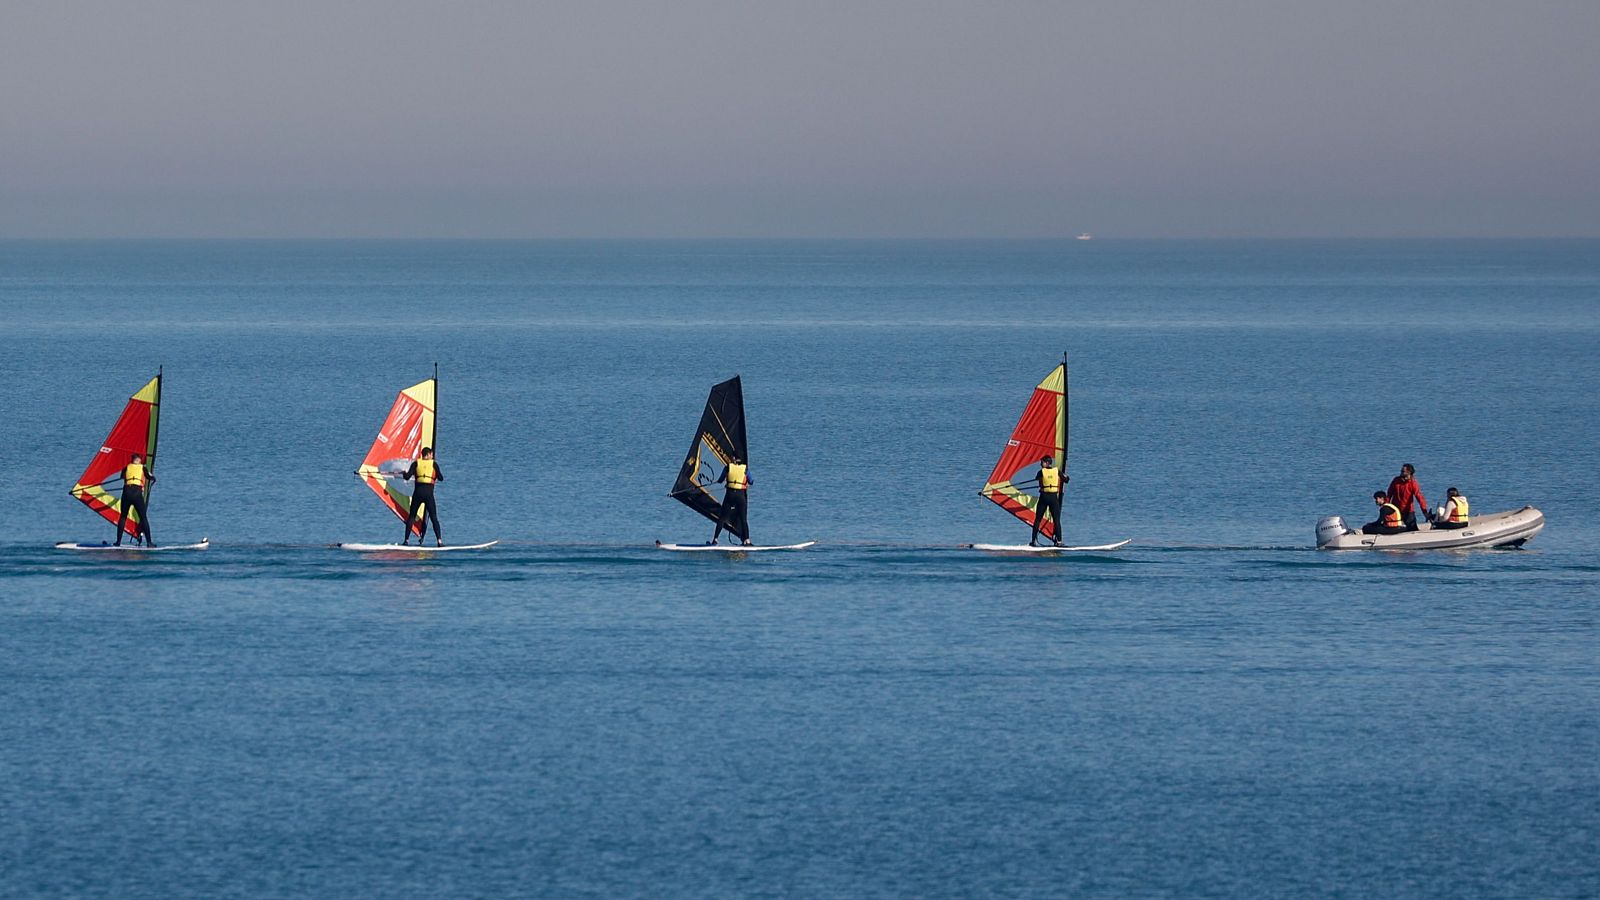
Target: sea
pixel 1216 710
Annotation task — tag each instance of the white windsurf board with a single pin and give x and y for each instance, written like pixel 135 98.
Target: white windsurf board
pixel 1028 548
pixel 131 547
pixel 411 548
pixel 731 548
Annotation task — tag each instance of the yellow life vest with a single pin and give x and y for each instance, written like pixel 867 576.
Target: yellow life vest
pixel 736 477
pixel 1389 515
pixel 1458 509
pixel 133 475
pixel 1049 480
pixel 425 471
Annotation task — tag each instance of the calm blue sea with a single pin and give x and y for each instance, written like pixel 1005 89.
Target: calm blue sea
pixel 1218 710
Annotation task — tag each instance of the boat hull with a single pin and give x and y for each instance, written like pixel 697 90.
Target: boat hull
pixel 1512 528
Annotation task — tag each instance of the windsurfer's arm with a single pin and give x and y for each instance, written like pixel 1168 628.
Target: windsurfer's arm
pixel 412 470
pixel 438 473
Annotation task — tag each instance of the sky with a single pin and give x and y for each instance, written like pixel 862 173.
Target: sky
pixel 865 118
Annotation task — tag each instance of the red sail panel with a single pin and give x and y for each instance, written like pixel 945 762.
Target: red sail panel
pixel 134 432
pixel 1041 430
pixel 408 428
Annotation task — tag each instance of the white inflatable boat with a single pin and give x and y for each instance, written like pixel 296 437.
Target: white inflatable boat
pixel 1502 529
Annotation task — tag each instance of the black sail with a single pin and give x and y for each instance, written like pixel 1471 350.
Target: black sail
pixel 719 438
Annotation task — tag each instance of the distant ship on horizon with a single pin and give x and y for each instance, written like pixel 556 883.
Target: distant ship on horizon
pixel 1085 236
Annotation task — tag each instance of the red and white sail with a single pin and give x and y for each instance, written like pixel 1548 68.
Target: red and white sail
pixel 1041 431
pixel 134 432
pixel 409 427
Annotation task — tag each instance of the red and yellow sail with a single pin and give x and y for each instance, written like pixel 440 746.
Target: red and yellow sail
pixel 409 427
pixel 1042 430
pixel 135 432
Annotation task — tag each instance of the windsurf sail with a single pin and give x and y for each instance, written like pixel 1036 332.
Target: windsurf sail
pixel 135 432
pixel 718 439
pixel 1041 430
pixel 412 424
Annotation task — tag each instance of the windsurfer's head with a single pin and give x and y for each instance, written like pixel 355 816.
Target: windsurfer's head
pixel 735 459
pixel 138 458
pixel 1047 460
pixel 427 453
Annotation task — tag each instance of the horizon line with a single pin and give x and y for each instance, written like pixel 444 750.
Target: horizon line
pixel 795 238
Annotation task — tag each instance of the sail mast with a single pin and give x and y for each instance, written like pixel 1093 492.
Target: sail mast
pixel 155 433
pixel 1066 398
pixel 433 439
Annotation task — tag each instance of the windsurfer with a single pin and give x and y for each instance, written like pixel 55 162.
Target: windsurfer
pixel 735 512
pixel 1050 481
pixel 134 478
pixel 425 472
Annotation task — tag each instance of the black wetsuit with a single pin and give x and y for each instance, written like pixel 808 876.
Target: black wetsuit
pixel 1049 501
pixel 133 498
pixel 735 515
pixel 422 499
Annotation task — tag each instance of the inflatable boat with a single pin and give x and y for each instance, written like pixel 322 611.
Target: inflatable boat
pixel 1502 529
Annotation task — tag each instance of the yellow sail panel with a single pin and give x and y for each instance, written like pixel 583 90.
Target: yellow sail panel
pixel 151 392
pixel 423 393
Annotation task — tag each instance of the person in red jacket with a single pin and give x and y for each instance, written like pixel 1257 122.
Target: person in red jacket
pixel 1404 491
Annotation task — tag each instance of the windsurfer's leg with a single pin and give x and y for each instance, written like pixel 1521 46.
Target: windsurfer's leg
pixel 433 516
pixel 1038 517
pixel 411 517
pixel 722 516
pixel 122 516
pixel 144 520
pixel 744 515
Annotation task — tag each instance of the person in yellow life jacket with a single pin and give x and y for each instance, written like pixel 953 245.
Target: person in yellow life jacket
pixel 1389 520
pixel 426 473
pixel 1051 481
pixel 1455 511
pixel 735 512
pixel 136 476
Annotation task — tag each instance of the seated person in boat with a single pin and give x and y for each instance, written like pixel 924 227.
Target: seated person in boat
pixel 1454 514
pixel 1389 521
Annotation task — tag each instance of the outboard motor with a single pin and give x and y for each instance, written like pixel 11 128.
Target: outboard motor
pixel 1329 528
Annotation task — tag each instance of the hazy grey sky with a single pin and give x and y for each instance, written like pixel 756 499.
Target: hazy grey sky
pixel 862 118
